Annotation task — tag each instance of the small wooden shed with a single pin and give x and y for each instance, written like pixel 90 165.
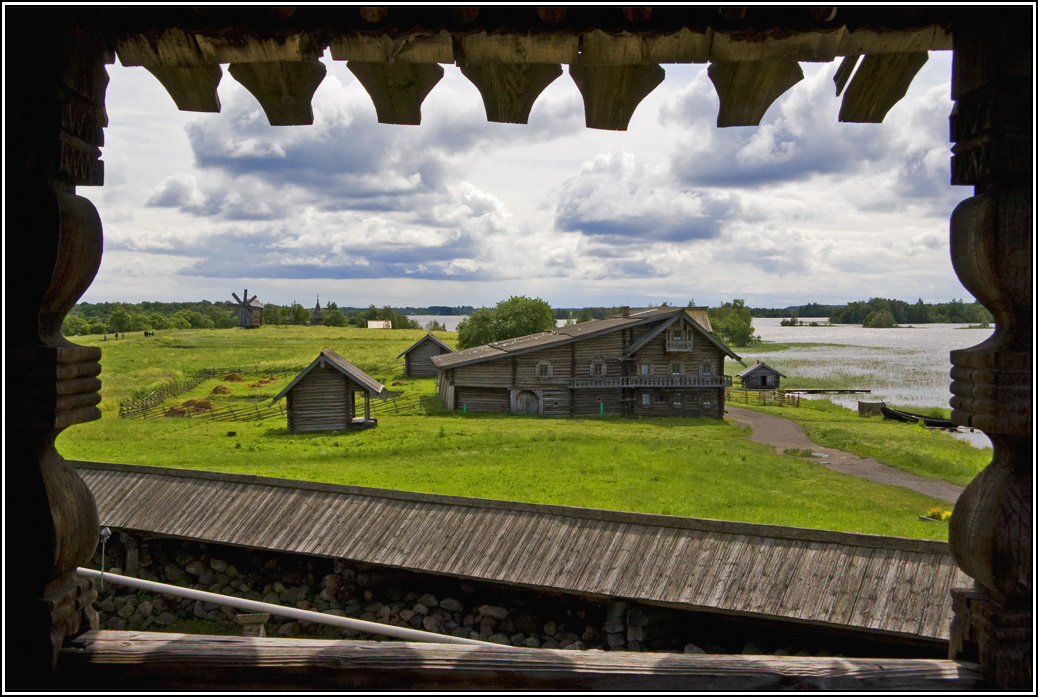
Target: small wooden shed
pixel 418 358
pixel 323 396
pixel 760 376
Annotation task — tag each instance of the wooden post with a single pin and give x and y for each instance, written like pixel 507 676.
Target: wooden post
pixel 990 533
pixel 54 241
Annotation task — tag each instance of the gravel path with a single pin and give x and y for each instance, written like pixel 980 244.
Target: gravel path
pixel 782 434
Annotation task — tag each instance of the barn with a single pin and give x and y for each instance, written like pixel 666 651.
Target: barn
pixel 760 376
pixel 662 361
pixel 323 396
pixel 418 358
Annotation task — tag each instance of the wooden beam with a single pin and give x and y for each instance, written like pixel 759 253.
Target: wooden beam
pixel 284 89
pixel 746 89
pixel 509 90
pixel 397 89
pixel 192 88
pixel 844 72
pixel 879 83
pixel 481 47
pixel 415 47
pixel 142 660
pixel 612 92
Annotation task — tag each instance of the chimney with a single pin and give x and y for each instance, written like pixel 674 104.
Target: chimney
pixel 625 311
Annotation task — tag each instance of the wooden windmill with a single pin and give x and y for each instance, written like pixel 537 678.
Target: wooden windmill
pixel 250 312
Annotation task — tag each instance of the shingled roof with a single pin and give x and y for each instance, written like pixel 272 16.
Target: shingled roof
pixel 559 336
pixel 331 358
pixel 863 583
pixel 430 337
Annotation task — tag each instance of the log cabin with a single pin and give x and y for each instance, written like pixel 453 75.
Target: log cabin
pixel 662 361
pixel 760 376
pixel 55 119
pixel 418 356
pixel 323 396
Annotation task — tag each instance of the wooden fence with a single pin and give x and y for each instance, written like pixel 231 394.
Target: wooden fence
pixel 775 398
pixel 138 407
pixel 405 405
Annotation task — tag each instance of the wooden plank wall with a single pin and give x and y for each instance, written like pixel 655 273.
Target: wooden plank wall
pixel 417 363
pixel 864 583
pixel 321 401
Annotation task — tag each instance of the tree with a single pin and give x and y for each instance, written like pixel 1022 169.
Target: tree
pixel 879 319
pixel 517 316
pixel 298 314
pixel 334 318
pixel 435 326
pixel 733 324
pixel 119 320
pixel 73 325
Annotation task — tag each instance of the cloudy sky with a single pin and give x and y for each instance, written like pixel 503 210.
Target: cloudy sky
pixel 462 211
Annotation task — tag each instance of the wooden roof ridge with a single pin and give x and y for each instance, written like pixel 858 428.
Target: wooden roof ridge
pixel 854 539
pixel 428 337
pixel 757 366
pixel 568 334
pixel 370 385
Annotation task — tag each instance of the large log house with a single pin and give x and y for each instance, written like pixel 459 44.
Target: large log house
pixel 662 361
pixel 55 79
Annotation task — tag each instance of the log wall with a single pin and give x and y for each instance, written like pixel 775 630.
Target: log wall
pixel 417 363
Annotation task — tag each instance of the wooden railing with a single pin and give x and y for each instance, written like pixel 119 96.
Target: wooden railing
pixel 654 381
pixel 679 344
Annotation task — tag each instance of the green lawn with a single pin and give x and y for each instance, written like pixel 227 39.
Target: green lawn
pixel 700 468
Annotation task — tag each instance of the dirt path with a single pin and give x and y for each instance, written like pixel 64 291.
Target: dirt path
pixel 782 434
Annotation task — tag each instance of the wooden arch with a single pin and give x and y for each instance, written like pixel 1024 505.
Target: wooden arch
pixel 55 117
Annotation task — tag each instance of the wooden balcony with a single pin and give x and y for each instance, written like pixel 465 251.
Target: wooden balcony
pixel 653 381
pixel 679 344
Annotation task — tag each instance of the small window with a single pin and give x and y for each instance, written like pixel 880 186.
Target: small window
pixel 706 369
pixel 643 369
pixel 677 401
pixel 707 404
pixel 544 369
pixel 677 335
pixel 677 368
pixel 598 368
pixel 646 399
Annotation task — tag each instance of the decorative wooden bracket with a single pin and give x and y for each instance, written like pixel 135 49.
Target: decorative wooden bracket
pixel 509 91
pixel 397 89
pixel 612 92
pixel 746 89
pixel 283 88
pixel 192 88
pixel 879 83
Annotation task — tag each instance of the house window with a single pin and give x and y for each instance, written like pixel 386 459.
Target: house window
pixel 677 401
pixel 677 335
pixel 643 369
pixel 706 404
pixel 598 368
pixel 677 368
pixel 706 369
pixel 646 399
pixel 544 369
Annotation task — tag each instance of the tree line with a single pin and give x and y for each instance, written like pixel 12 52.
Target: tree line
pixel 885 312
pixel 107 318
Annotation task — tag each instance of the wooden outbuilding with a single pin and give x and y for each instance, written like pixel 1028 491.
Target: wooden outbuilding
pixel 418 358
pixel 760 376
pixel 661 361
pixel 323 396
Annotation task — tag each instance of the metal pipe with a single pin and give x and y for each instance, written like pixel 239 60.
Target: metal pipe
pixel 405 633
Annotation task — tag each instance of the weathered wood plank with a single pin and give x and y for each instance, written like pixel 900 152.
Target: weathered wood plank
pixel 124 661
pixel 509 90
pixel 612 93
pixel 284 89
pixel 747 88
pixel 397 89
pixel 878 84
pixel 192 88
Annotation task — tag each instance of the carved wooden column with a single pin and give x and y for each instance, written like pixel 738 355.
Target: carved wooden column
pixel 55 117
pixel 991 246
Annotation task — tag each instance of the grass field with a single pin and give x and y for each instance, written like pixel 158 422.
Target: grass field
pixel 701 468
